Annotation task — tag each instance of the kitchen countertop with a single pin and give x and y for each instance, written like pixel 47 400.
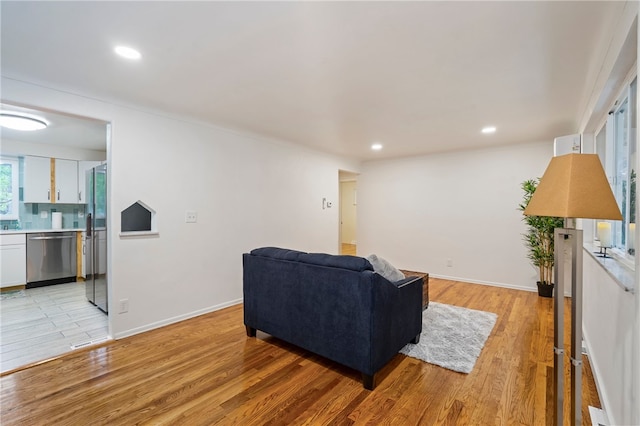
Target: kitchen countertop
pixel 32 231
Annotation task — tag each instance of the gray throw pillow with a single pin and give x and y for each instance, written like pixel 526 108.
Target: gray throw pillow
pixel 384 268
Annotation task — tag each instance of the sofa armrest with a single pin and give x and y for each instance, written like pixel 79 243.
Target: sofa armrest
pixel 407 281
pixel 397 317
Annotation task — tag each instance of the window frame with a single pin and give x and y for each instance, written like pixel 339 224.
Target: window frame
pixel 609 126
pixel 15 187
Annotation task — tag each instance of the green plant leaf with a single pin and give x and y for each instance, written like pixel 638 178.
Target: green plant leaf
pixel 539 236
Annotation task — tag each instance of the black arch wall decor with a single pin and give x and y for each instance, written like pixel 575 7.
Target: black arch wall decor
pixel 135 218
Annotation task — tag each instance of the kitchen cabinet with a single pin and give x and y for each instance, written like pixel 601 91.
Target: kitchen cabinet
pixel 13 260
pixel 66 181
pixel 83 167
pixel 82 253
pixel 37 180
pixel 49 180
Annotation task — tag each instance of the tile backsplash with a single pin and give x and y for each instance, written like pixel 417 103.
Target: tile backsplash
pixel 38 216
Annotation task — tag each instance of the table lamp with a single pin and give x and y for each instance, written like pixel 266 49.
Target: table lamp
pixel 573 186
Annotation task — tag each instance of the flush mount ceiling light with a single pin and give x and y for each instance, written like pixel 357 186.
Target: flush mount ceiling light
pixel 127 52
pixel 21 122
pixel 376 147
pixel 489 129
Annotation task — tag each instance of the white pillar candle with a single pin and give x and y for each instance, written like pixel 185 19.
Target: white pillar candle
pixel 604 234
pixel 632 236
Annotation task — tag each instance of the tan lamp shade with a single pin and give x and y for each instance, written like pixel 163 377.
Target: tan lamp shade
pixel 574 186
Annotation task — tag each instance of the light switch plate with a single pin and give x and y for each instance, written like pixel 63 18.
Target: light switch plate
pixel 44 214
pixel 191 217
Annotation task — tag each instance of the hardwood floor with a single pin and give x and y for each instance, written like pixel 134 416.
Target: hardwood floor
pixel 205 371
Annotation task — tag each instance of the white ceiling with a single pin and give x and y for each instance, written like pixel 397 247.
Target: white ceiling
pixel 64 130
pixel 418 77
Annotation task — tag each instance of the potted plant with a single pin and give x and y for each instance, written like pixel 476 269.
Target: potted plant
pixel 539 239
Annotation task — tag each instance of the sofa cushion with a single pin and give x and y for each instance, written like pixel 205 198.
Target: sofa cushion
pixel 277 253
pixel 353 263
pixel 384 268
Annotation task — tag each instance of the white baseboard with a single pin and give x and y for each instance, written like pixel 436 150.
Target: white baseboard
pixel 489 283
pixel 175 319
pixel 595 370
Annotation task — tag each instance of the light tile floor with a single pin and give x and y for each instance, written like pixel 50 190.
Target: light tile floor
pixel 40 323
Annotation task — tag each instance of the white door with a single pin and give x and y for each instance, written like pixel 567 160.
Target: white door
pixel 348 201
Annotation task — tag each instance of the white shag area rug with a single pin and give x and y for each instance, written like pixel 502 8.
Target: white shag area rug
pixel 452 337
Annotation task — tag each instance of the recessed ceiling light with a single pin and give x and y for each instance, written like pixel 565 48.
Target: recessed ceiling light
pixel 489 129
pixel 127 52
pixel 21 122
pixel 376 147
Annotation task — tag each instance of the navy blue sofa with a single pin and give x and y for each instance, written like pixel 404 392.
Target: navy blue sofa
pixel 334 306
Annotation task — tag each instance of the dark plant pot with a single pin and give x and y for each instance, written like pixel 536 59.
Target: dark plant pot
pixel 545 290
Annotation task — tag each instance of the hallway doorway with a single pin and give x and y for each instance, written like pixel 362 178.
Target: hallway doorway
pixel 348 212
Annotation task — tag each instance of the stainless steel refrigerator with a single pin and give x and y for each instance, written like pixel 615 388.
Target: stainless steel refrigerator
pixel 96 238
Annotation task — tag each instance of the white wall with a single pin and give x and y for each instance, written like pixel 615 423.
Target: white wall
pixel 420 212
pixel 609 313
pixel 611 317
pixel 247 193
pixel 12 147
pixel 635 372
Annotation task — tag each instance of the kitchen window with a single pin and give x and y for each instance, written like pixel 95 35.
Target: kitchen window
pixel 9 188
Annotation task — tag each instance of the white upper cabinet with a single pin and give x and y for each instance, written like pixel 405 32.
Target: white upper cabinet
pixel 83 167
pixel 66 178
pixel 37 180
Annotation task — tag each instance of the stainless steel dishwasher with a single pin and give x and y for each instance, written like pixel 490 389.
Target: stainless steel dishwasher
pixel 51 258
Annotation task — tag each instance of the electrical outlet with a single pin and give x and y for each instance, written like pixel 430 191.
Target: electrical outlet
pixel 191 217
pixel 124 306
pixel 449 263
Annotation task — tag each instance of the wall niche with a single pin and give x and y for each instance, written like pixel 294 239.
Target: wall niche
pixel 138 219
